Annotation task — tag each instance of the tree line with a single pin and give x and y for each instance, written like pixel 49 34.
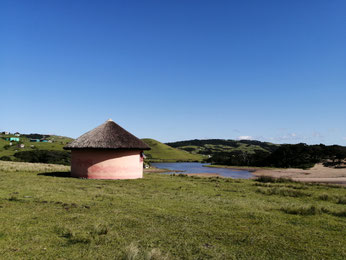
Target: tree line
pixel 285 156
pixel 44 156
pixel 222 142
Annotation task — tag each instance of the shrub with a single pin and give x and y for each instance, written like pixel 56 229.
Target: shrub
pixel 283 192
pixel 44 156
pixel 5 158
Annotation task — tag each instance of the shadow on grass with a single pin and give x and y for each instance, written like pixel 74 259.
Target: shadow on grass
pixel 56 174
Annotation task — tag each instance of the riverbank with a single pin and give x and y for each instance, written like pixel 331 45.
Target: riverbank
pixel 154 169
pixel 196 168
pixel 158 170
pixel 317 174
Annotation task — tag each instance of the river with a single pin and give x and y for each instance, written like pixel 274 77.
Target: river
pixel 194 167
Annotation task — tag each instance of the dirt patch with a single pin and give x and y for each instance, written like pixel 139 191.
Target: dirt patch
pixel 318 174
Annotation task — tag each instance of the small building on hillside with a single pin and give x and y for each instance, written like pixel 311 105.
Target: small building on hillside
pixel 107 152
pixel 16 134
pixel 12 139
pixel 35 140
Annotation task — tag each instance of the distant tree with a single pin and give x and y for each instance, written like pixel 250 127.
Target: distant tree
pixel 5 158
pixel 44 156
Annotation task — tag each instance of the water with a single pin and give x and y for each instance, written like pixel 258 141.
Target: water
pixel 194 167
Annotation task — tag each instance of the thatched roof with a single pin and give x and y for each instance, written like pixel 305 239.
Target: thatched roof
pixel 109 135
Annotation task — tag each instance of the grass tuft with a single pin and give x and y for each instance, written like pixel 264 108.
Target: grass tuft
pixel 324 197
pixel 156 254
pixel 100 229
pixel 131 252
pixel 269 179
pixel 282 192
pixel 13 198
pixel 341 213
pixel 301 210
pixel 341 200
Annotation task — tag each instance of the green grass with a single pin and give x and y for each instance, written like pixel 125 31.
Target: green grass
pixel 58 144
pixel 167 217
pixel 163 153
pixel 159 152
pixel 205 148
pixel 30 167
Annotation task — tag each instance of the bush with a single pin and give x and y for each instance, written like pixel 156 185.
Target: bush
pixel 44 156
pixel 5 158
pixel 286 156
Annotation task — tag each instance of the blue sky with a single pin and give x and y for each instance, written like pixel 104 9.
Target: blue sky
pixel 176 70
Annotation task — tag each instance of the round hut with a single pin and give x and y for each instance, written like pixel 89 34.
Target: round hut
pixel 107 152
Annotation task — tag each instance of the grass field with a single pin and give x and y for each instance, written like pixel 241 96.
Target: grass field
pixel 44 216
pixel 161 152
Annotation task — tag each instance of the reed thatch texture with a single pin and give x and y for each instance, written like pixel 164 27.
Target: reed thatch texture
pixel 109 135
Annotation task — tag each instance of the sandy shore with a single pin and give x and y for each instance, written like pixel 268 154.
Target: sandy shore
pixel 318 173
pixel 158 170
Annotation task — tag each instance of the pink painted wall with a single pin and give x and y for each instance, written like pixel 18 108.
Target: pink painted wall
pixel 106 164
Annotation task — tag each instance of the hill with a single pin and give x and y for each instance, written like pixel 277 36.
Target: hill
pixel 264 154
pixel 161 152
pixel 35 151
pixel 54 143
pixel 212 146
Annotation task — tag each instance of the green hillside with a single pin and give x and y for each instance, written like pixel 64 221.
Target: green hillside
pixel 159 152
pixel 162 152
pixel 56 144
pixel 212 146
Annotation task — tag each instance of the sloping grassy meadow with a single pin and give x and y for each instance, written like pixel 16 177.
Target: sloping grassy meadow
pixel 44 216
pixel 57 145
pixel 161 152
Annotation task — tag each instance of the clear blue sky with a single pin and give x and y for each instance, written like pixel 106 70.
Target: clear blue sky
pixel 176 70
